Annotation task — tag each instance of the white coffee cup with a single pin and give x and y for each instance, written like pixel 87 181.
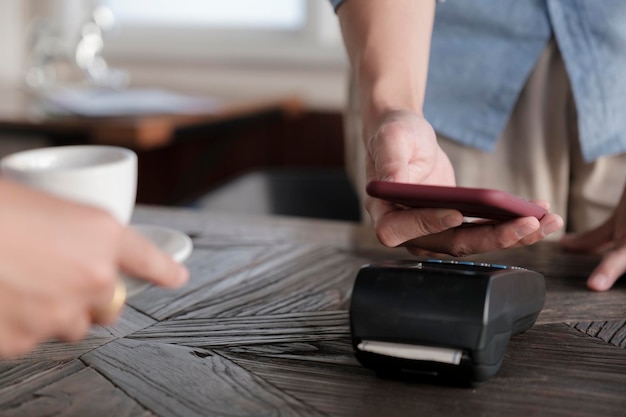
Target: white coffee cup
pixel 101 176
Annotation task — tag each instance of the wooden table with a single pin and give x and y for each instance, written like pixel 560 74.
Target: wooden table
pixel 262 330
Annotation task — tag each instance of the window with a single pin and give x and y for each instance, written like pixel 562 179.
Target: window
pixel 271 31
pixel 231 14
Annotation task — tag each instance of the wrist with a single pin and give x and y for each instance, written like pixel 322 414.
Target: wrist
pixel 383 97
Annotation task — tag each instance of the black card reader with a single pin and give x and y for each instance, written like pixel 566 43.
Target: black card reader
pixel 448 319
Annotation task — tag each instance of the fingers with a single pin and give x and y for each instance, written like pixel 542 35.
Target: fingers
pixel 607 238
pixel 140 258
pixel 400 226
pixel 16 345
pixel 610 238
pixel 548 224
pixel 396 226
pixel 591 241
pixel 78 329
pixel 612 266
pixel 109 312
pixel 22 329
pixel 437 230
pixel 478 238
pixel 472 238
pixel 15 340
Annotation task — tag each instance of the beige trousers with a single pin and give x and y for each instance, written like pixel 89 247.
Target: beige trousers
pixel 537 156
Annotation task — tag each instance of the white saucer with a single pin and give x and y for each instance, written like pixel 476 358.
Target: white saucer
pixel 171 241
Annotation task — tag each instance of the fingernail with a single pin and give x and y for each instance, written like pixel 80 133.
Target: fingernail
pixel 550 228
pixel 599 282
pixel 524 230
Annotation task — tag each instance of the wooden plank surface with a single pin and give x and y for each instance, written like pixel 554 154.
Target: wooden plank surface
pixel 187 382
pixel 550 370
pixel 262 329
pixel 613 332
pixel 84 393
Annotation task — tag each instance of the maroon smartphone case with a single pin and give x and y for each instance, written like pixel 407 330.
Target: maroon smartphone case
pixel 471 202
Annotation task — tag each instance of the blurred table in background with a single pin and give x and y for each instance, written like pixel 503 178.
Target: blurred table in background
pixel 180 155
pixel 22 112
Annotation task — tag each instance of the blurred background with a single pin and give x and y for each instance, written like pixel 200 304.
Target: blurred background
pixel 231 105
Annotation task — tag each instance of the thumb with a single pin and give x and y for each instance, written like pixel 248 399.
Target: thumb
pixel 390 157
pixel 140 258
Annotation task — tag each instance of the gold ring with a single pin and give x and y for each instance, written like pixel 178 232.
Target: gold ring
pixel 114 308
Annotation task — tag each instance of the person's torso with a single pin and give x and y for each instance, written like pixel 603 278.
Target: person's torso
pixel 484 50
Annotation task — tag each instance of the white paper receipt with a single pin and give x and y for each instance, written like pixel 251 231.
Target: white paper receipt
pixel 413 352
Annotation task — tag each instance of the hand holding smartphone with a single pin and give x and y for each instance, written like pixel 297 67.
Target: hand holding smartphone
pixel 471 202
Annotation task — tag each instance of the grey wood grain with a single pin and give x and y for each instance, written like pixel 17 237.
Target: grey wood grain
pixel 236 331
pixel 290 279
pixel 130 321
pixel 338 352
pixel 613 332
pixel 211 271
pixel 53 350
pixel 561 347
pixel 182 381
pixel 19 380
pixel 235 282
pixel 550 370
pixel 84 393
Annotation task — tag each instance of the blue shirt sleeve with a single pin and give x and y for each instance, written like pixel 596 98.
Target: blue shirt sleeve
pixel 337 3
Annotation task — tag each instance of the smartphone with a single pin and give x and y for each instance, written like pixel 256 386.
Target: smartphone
pixel 471 202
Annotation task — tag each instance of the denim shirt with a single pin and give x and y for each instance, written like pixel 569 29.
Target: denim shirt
pixel 483 51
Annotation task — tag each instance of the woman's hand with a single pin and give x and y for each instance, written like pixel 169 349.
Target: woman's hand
pixel 60 262
pixel 610 239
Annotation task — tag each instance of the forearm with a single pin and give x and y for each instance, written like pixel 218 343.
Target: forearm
pixel 388 44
